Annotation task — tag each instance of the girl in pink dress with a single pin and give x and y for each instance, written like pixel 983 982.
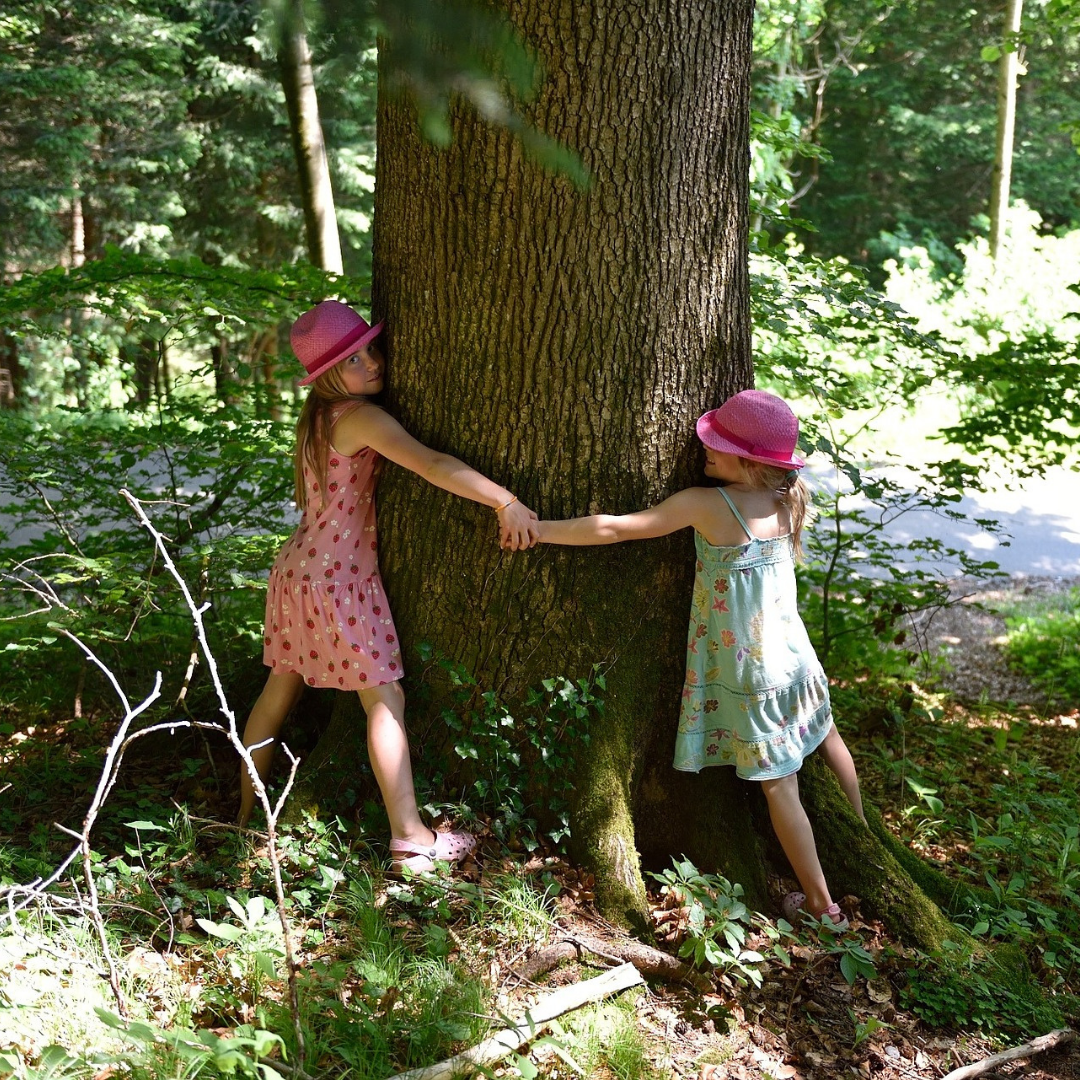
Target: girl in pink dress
pixel 327 619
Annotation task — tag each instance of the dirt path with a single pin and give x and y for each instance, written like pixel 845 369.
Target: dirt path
pixel 968 636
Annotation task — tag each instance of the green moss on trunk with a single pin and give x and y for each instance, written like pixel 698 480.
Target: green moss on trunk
pixel 861 860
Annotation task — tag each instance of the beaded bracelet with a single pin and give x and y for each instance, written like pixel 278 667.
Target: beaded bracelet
pixel 500 509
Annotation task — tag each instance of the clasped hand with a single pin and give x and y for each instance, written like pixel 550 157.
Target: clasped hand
pixel 519 528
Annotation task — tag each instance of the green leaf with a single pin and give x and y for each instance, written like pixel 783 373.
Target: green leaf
pixel 527 1069
pixel 849 967
pixel 990 53
pixel 221 930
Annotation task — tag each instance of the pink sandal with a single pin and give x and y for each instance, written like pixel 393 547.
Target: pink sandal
pixel 421 858
pixel 793 906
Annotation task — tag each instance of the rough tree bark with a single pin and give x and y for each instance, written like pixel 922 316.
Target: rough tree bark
pixel 563 341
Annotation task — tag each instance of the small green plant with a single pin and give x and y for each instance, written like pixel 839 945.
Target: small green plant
pixel 987 993
pixel 855 961
pixel 865 1028
pixel 190 1053
pixel 925 826
pixel 251 963
pixel 602 1040
pixel 716 921
pixel 516 766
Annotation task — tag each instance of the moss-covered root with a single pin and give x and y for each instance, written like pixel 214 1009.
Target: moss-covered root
pixel 859 860
pixel 953 897
pixel 603 835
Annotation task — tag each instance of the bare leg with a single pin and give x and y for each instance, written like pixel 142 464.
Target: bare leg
pixel 797 839
pixel 281 692
pixel 837 756
pixel 388 751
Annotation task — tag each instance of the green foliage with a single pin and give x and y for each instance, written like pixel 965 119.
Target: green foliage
pixel 853 362
pixel 460 48
pixel 1014 823
pixel 1045 646
pixel 900 97
pixel 603 1040
pixel 406 1002
pixel 190 1053
pixel 384 988
pixel 986 993
pixel 1009 332
pixel 717 922
pixel 97 105
pixel 99 335
pixel 164 126
pixel 516 767
pixel 78 559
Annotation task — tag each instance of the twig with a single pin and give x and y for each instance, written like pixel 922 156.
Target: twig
pixel 35 891
pixel 108 778
pixel 530 1025
pixel 272 812
pixel 1061 1037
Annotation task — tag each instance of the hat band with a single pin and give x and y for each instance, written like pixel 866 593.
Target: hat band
pixel 355 334
pixel 748 447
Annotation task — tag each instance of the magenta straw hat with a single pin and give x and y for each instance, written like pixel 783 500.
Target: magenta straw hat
pixel 754 425
pixel 327 334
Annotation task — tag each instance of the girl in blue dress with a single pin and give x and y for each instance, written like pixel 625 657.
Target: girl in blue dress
pixel 755 695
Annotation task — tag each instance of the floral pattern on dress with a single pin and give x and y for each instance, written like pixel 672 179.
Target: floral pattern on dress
pixel 755 697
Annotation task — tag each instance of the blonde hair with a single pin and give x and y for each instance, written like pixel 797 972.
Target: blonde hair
pixel 791 489
pixel 313 431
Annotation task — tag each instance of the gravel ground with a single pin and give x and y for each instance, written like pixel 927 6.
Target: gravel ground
pixel 968 635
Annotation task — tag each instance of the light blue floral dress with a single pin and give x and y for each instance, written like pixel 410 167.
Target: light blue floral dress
pixel 755 694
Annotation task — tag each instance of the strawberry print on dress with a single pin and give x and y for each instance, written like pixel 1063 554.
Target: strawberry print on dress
pixel 326 612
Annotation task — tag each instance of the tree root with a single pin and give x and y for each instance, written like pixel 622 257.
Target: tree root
pixel 652 963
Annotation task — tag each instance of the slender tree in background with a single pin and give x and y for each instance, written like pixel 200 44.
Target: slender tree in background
pixel 309 147
pixel 907 118
pixel 1008 71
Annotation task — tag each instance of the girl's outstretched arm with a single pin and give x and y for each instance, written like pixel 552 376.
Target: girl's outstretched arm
pixel 678 512
pixel 374 427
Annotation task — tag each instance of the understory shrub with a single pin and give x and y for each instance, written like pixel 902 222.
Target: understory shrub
pixel 1045 647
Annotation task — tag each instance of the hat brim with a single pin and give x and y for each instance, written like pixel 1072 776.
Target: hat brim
pixel 711 438
pixel 354 347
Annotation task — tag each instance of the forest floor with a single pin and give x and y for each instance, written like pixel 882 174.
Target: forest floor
pixel 806 1020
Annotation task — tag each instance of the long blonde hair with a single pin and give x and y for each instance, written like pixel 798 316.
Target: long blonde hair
pixel 313 431
pixel 791 489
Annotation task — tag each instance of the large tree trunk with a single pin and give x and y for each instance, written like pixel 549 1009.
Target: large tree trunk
pixel 563 341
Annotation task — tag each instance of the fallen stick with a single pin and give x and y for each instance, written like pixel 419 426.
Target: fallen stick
pixel 530 1025
pixel 1029 1049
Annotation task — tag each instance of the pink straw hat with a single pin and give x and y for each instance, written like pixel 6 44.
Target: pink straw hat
pixel 754 425
pixel 327 334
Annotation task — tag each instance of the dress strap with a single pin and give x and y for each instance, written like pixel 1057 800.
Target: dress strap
pixel 738 516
